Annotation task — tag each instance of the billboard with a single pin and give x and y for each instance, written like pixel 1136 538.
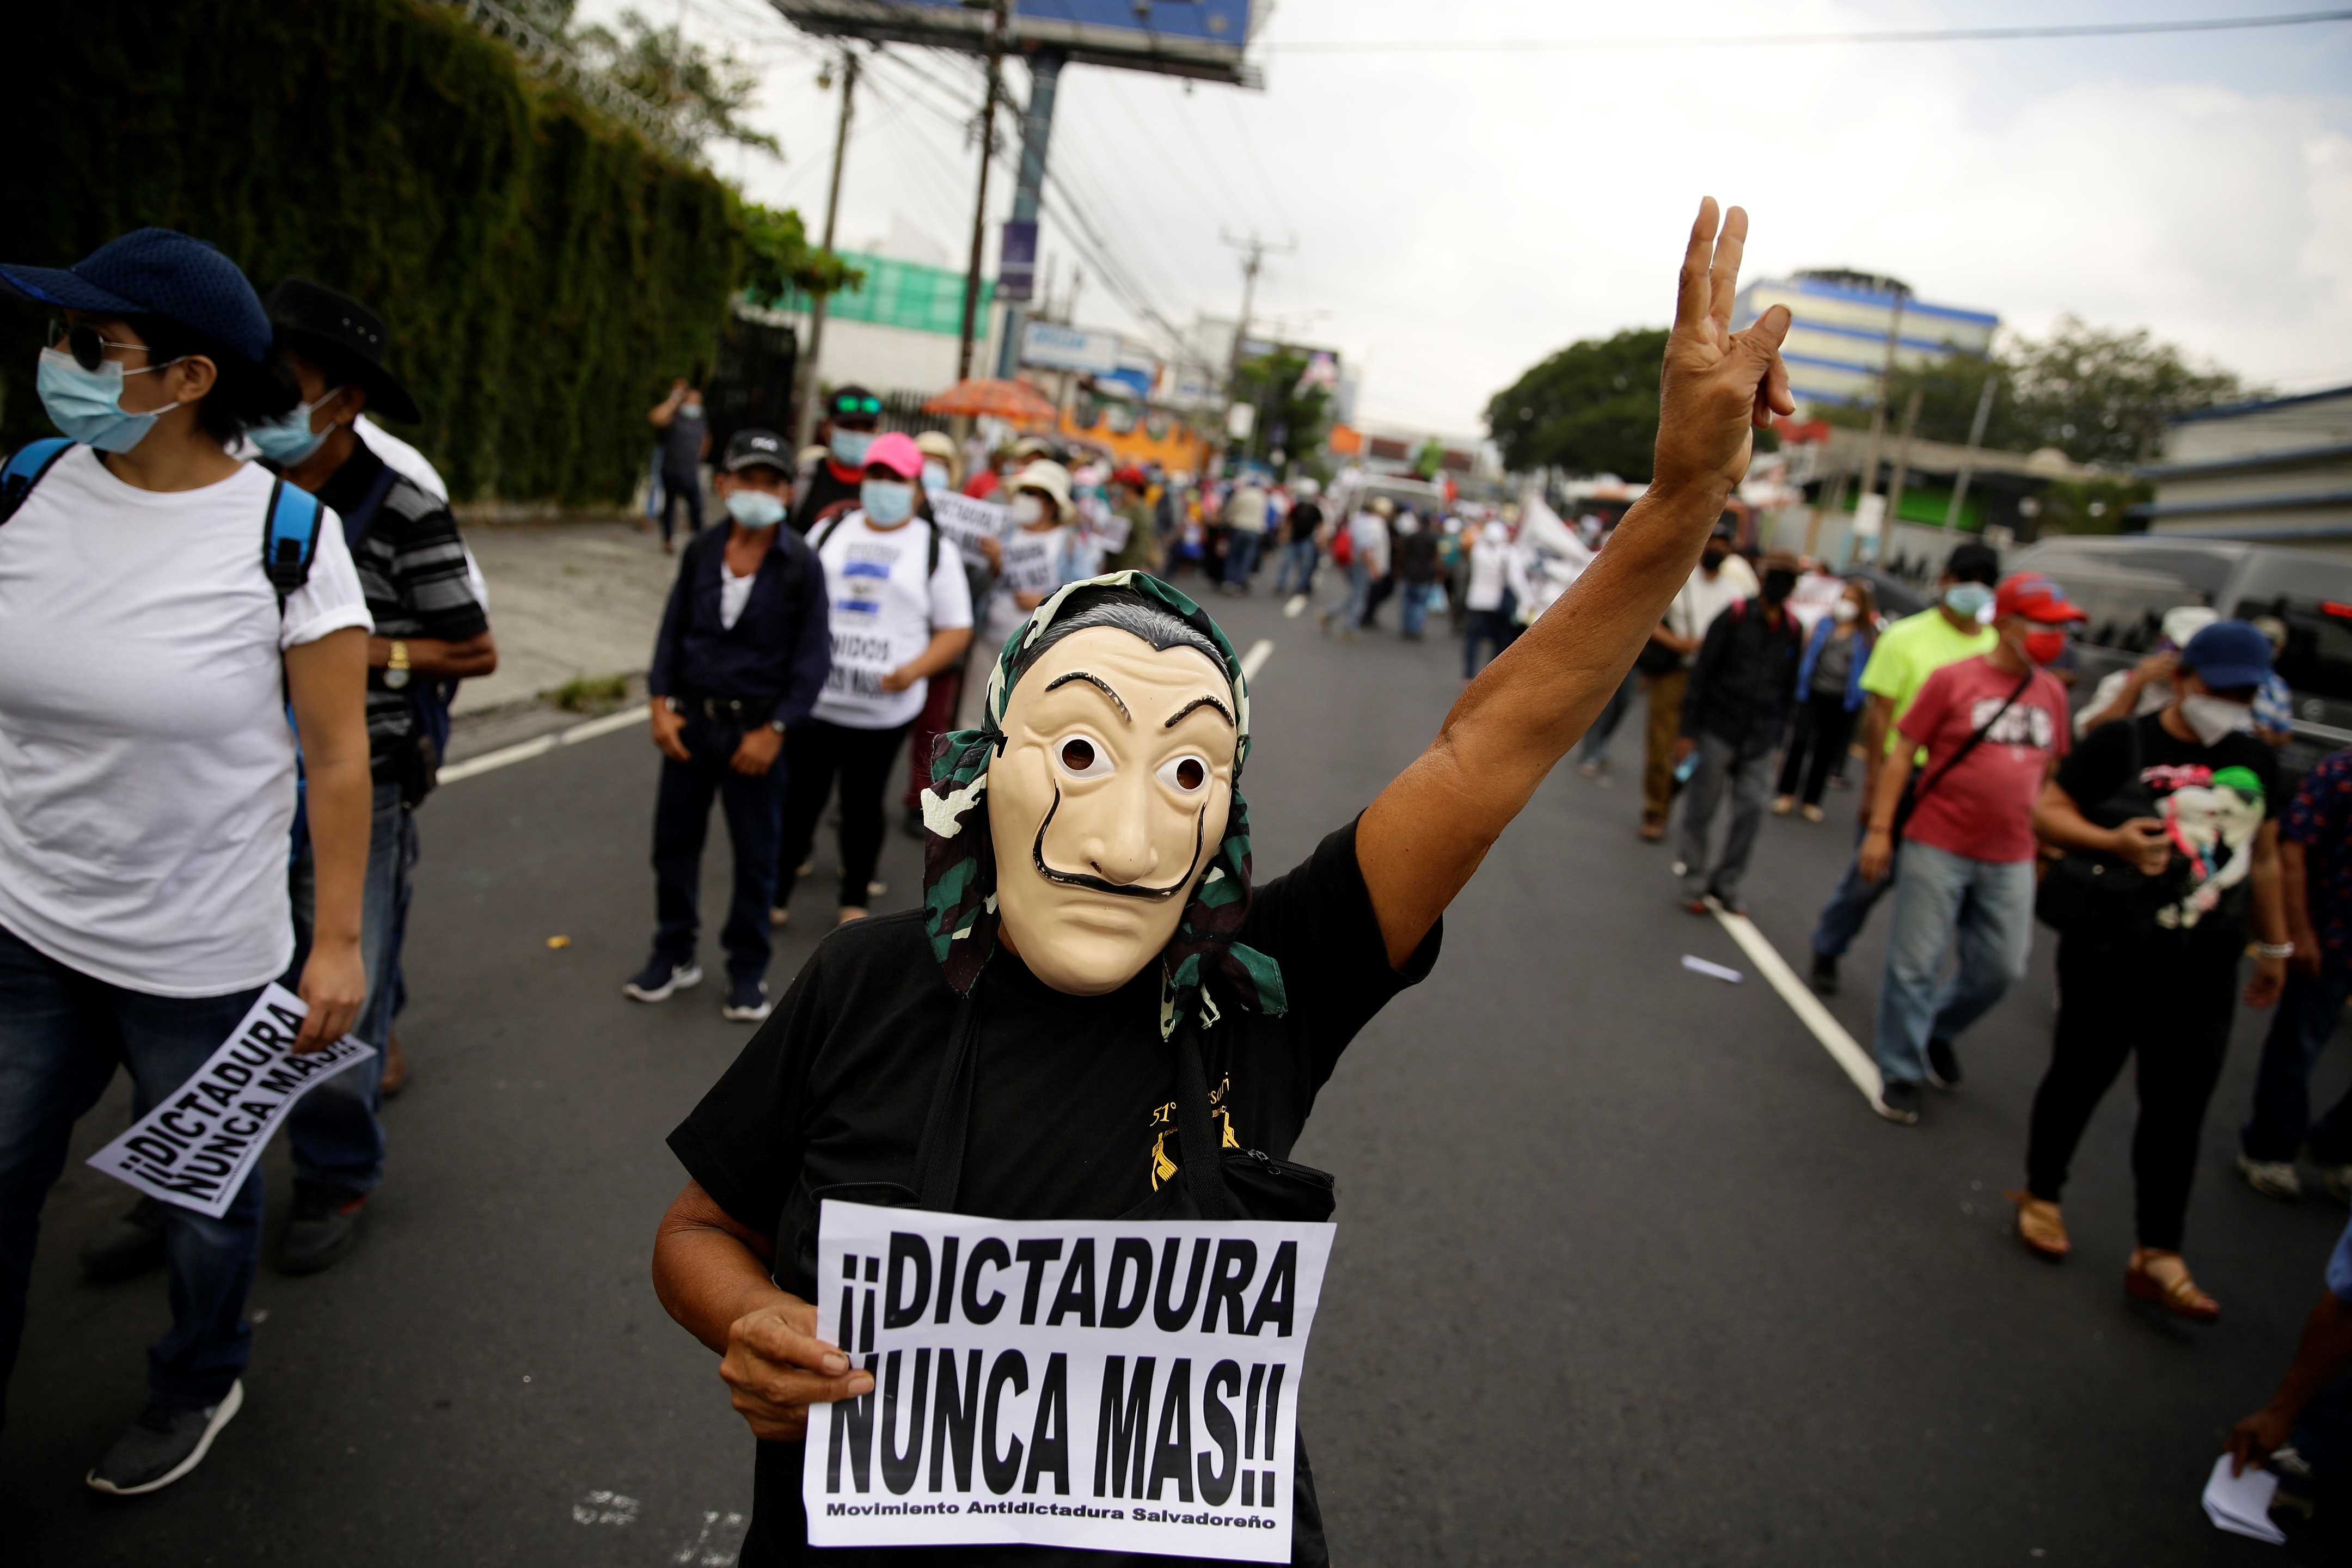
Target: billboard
pixel 1201 39
pixel 1048 345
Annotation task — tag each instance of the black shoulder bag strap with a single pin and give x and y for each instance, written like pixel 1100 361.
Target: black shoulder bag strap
pixel 1911 797
pixel 1204 1171
pixel 939 1160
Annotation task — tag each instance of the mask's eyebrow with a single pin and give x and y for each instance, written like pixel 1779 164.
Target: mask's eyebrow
pixel 1096 681
pixel 1201 702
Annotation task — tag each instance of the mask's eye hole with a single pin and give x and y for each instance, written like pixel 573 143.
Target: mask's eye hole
pixel 1187 776
pixel 1082 759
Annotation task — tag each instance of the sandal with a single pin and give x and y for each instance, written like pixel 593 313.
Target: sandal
pixel 2180 1296
pixel 2040 1227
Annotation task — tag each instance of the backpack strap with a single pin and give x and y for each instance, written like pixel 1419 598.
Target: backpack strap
pixel 25 468
pixel 289 539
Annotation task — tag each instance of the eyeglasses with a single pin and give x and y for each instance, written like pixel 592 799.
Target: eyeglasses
pixel 88 350
pixel 857 406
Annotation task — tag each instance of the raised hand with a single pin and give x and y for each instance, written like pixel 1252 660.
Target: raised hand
pixel 1720 386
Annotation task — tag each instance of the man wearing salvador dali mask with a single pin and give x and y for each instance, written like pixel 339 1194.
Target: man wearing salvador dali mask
pixel 1096 1015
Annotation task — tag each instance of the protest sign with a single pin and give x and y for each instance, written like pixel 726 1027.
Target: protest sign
pixel 967 521
pixel 1113 1385
pixel 1033 560
pixel 195 1148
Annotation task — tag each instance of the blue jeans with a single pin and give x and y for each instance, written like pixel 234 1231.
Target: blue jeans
pixel 1412 607
pixel 1989 905
pixel 1298 559
pixel 1349 612
pixel 1241 557
pixel 62 1034
pixel 333 1130
pixel 754 810
pixel 2308 1011
pixel 1848 907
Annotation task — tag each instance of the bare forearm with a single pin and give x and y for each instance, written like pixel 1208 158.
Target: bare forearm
pixel 946 649
pixel 433 659
pixel 2269 911
pixel 339 801
pixel 707 1279
pixel 1887 793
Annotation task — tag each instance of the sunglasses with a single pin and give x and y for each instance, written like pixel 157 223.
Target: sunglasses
pixel 857 406
pixel 88 350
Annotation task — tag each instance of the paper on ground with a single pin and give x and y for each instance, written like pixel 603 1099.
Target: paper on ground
pixel 195 1148
pixel 2241 1504
pixel 1701 966
pixel 1117 1385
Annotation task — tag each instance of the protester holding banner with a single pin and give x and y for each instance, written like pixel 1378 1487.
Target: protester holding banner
pixel 430 633
pixel 1093 1005
pixel 899 613
pixel 1039 555
pixel 163 606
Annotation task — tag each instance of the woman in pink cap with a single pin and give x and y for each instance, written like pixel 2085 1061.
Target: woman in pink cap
pixel 900 613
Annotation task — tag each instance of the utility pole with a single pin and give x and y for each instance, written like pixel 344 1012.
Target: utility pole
pixel 980 207
pixel 804 421
pixel 1255 249
pixel 1878 413
pixel 1903 458
pixel 1036 132
pixel 1969 462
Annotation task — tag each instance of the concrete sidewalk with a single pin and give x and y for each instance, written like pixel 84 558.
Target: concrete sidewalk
pixel 567 600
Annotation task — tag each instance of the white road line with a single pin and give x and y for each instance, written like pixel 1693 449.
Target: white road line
pixel 507 755
pixel 1254 660
pixel 1801 1000
pixel 1297 602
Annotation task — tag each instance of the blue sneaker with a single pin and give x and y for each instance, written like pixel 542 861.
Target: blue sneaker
pixel 660 978
pixel 747 1002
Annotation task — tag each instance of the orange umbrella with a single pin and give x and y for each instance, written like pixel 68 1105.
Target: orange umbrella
pixel 1011 400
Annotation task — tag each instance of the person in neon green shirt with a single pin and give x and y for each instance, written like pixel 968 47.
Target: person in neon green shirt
pixel 1909 652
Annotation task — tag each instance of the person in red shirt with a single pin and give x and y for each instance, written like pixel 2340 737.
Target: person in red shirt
pixel 1994 727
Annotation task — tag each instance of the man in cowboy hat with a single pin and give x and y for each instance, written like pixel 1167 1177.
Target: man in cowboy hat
pixel 430 632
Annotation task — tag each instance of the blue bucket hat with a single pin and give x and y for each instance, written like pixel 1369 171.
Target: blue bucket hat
pixel 2228 655
pixel 155 272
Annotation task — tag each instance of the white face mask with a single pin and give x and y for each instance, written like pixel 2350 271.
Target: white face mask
pixel 1845 610
pixel 1027 511
pixel 2213 716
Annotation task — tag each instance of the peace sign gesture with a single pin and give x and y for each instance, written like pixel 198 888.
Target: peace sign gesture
pixel 1719 385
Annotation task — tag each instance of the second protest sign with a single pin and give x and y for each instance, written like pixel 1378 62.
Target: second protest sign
pixel 1115 1385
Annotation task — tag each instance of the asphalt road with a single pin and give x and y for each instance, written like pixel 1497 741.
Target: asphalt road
pixel 1626 1269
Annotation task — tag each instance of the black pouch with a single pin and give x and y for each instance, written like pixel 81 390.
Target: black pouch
pixel 2100 899
pixel 416 768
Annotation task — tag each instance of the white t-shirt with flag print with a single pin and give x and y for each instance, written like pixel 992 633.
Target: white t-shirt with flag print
pixel 882 614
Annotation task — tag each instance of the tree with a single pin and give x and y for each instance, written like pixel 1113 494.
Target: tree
pixel 1291 416
pixel 1592 408
pixel 703 95
pixel 779 259
pixel 2098 395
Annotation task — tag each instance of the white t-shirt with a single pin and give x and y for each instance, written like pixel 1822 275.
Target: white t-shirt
pixel 734 593
pixel 883 614
pixel 1695 608
pixel 1490 555
pixel 146 765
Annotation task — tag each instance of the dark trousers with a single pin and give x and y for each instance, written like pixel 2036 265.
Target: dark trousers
pixel 2308 1011
pixel 817 752
pixel 677 488
pixel 752 804
pixel 1486 626
pixel 1822 730
pixel 937 717
pixel 62 1034
pixel 2169 1003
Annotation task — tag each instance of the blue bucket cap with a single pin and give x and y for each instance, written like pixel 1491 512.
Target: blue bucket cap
pixel 155 272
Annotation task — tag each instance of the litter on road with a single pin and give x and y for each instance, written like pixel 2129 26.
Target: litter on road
pixel 1720 971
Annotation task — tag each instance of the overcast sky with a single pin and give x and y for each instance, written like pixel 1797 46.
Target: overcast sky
pixel 1458 216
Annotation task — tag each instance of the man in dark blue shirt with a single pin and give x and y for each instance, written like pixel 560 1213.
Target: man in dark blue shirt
pixel 742 653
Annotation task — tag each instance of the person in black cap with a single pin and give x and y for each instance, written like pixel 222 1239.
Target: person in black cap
pixel 685 442
pixel 743 651
pixel 430 633
pixel 852 417
pixel 152 636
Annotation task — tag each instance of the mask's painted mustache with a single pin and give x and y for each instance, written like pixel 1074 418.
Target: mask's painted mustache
pixel 1096 884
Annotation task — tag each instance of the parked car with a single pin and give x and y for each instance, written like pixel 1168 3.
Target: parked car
pixel 2126 583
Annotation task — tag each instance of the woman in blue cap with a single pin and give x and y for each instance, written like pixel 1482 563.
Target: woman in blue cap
pixel 153 643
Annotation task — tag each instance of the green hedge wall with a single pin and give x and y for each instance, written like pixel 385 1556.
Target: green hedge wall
pixel 543 269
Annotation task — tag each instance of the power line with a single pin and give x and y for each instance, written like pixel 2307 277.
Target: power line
pixel 1804 40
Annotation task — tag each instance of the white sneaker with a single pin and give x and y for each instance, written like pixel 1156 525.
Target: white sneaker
pixel 2272 1178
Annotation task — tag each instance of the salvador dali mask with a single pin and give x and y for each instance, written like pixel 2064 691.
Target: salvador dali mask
pixel 1108 803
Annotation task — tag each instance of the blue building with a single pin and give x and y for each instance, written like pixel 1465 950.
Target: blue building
pixel 1838 341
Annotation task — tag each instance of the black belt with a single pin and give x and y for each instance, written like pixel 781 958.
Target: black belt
pixel 744 711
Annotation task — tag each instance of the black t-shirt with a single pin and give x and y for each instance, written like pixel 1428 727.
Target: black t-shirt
pixel 1304 520
pixel 2214 799
pixel 1073 1113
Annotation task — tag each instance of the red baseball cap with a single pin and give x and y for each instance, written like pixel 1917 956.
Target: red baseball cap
pixel 897 452
pixel 2037 598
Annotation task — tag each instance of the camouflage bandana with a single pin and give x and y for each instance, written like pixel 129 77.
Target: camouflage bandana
pixel 960 862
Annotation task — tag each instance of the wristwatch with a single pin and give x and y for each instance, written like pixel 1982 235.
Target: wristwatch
pixel 396 668
pixel 777 725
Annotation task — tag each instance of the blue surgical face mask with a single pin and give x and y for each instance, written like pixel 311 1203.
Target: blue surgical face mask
pixel 289 438
pixel 935 475
pixel 849 447
pixel 1969 599
pixel 87 405
pixel 755 509
pixel 888 502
